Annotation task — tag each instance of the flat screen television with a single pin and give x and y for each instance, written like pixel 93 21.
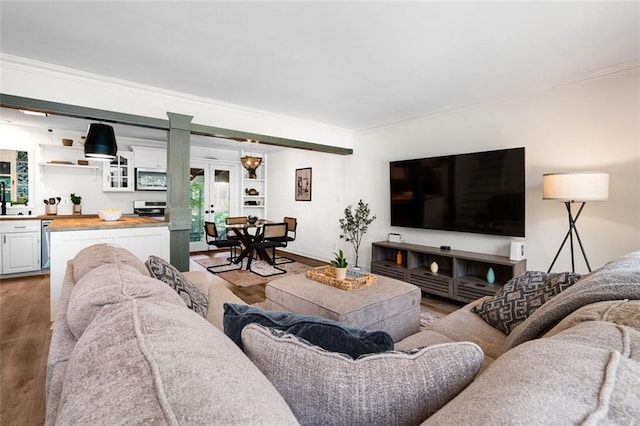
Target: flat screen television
pixel 481 192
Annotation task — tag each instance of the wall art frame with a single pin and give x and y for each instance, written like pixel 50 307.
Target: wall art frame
pixel 303 184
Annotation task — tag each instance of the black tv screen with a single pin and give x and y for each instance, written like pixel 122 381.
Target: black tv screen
pixel 480 192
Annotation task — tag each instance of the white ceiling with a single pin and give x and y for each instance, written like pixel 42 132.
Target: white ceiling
pixel 354 65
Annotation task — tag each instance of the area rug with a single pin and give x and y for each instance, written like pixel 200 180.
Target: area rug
pixel 427 319
pixel 245 278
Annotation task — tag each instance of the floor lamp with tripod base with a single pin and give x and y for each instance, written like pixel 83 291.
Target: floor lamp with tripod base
pixel 575 187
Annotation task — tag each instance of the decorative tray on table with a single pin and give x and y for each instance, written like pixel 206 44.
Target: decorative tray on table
pixel 326 275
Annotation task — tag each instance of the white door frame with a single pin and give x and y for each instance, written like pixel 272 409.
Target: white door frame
pixel 235 177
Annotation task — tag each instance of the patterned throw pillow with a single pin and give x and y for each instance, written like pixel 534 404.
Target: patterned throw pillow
pixel 167 273
pixel 521 297
pixel 328 334
pixel 328 388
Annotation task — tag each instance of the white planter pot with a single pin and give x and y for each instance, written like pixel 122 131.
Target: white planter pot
pixel 341 273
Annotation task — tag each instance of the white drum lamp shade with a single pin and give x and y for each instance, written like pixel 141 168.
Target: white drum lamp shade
pixel 578 186
pixel 574 187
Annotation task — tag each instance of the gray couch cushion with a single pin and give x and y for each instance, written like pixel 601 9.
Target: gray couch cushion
pixel 617 280
pixel 588 374
pixel 142 362
pixel 96 255
pixel 521 296
pixel 466 326
pixel 60 349
pixel 164 271
pixel 623 312
pixel 110 284
pixel 326 388
pixel 218 292
pixel 430 338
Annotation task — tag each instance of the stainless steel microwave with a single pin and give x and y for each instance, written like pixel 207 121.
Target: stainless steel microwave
pixel 151 180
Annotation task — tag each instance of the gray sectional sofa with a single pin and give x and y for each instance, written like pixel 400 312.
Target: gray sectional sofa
pixel 125 349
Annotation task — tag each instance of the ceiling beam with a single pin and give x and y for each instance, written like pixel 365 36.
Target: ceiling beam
pixel 67 110
pixel 240 136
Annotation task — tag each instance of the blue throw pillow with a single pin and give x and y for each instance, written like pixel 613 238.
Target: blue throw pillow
pixel 330 335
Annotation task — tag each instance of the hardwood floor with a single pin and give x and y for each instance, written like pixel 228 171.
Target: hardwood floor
pixel 24 345
pixel 439 304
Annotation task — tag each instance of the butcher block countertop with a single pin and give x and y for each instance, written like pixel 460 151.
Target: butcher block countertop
pixel 46 216
pixel 87 222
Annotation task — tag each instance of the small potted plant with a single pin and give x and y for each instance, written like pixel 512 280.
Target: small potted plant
pixel 355 224
pixel 340 265
pixel 76 200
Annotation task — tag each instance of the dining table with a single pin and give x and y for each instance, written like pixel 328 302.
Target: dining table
pixel 246 237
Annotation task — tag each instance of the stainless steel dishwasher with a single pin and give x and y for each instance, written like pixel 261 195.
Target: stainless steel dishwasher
pixel 45 245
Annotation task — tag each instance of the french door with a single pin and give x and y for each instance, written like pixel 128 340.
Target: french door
pixel 215 195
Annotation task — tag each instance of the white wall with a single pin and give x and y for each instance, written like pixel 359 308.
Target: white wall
pixel 318 229
pixel 593 125
pixel 584 126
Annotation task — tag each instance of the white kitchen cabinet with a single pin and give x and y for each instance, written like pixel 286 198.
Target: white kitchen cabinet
pixel 20 246
pixel 65 244
pixel 149 158
pixel 117 176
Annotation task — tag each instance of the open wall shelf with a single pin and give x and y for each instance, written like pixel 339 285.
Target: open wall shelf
pixel 460 275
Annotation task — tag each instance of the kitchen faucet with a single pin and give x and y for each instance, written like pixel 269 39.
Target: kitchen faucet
pixel 3 198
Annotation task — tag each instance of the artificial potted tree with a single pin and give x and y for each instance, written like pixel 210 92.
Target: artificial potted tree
pixel 76 200
pixel 355 224
pixel 340 265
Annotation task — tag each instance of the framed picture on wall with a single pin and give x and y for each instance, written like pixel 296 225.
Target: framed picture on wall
pixel 303 184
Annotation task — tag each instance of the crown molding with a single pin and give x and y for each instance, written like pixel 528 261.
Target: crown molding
pixel 612 71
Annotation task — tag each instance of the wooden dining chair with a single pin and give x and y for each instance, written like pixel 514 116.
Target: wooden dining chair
pixel 212 238
pixel 272 236
pixel 237 220
pixel 292 226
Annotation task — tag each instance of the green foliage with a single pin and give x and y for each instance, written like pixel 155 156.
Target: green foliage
pixel 340 261
pixel 355 224
pixel 75 199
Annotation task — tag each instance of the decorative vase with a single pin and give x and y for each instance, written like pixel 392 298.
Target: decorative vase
pixel 434 267
pixel 399 258
pixel 341 273
pixel 77 209
pixel 491 276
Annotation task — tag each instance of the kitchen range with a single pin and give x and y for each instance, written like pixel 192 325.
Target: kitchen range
pixel 153 209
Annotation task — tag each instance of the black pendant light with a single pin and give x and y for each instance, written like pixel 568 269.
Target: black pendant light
pixel 101 142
